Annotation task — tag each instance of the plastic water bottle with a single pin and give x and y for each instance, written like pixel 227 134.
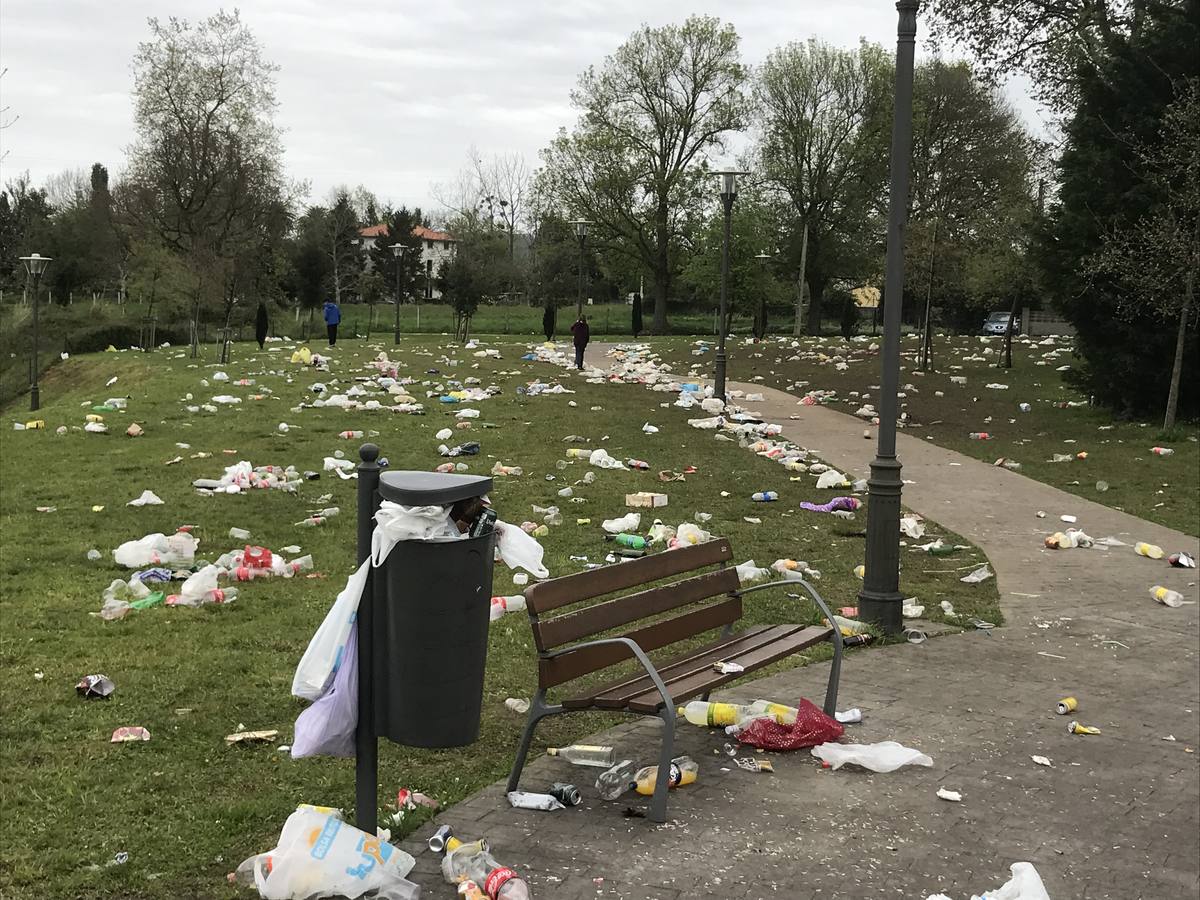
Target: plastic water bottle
pixel 1161 451
pixel 1166 596
pixel 501 605
pixel 705 714
pixel 629 541
pixel 474 863
pixel 612 783
pixel 764 496
pixel 684 770
pixel 1151 551
pixel 979 436
pixel 585 755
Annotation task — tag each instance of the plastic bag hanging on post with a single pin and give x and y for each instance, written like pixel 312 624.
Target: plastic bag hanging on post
pixel 327 649
pixel 327 727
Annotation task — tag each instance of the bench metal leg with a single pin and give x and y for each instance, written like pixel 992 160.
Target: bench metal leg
pixel 538 710
pixel 658 803
pixel 835 675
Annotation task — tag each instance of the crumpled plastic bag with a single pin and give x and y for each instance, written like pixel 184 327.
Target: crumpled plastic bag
pixel 395 523
pixel 327 727
pixel 688 534
pixel 1025 884
pixel 812 727
pixel 320 855
pixel 831 478
pixel 983 573
pixel 886 756
pixel 518 550
pixel 147 498
pixel 157 549
pixel 327 651
pixel 602 459
pixel 628 523
pixel 751 571
pixel 198 587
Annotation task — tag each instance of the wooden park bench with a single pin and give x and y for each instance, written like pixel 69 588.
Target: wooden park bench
pixel 700 602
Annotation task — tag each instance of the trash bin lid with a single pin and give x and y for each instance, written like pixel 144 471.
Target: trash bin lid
pixel 431 488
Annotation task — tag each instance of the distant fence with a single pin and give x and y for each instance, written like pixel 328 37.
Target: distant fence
pixel 1039 323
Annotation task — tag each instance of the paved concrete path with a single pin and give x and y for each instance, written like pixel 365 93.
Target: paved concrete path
pixel 1116 816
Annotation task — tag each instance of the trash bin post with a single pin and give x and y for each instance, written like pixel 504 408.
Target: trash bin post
pixel 366 743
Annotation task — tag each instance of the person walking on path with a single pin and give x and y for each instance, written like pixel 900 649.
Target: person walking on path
pixel 262 325
pixel 333 316
pixel 581 334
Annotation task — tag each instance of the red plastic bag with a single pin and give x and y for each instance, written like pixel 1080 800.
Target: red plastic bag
pixel 812 727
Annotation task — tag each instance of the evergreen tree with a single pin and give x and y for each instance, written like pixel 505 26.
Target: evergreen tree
pixel 1127 350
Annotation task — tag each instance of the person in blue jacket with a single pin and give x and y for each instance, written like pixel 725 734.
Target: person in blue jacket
pixel 333 316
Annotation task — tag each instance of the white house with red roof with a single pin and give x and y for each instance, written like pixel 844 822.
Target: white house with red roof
pixel 437 247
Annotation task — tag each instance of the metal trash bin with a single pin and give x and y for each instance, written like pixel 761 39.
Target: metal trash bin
pixel 429 632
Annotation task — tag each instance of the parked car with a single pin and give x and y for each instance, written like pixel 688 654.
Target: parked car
pixel 997 323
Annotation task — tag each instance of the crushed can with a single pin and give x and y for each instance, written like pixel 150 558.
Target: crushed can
pixel 566 794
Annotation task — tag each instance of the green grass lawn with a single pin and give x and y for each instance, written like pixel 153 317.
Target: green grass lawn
pixel 185 806
pixel 1161 489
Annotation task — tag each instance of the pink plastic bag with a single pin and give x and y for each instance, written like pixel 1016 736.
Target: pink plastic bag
pixel 812 727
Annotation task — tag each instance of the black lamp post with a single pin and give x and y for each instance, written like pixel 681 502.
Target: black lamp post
pixel 880 599
pixel 35 264
pixel 728 195
pixel 581 229
pixel 398 252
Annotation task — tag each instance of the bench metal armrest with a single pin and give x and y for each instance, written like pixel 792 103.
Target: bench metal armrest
pixel 821 605
pixel 638 652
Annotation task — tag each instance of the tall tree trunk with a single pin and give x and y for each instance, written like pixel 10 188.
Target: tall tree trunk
pixel 662 269
pixel 1177 367
pixel 816 292
pixel 798 327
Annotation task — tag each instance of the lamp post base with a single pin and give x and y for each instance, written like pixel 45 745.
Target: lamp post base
pixel 35 399
pixel 880 600
pixel 719 376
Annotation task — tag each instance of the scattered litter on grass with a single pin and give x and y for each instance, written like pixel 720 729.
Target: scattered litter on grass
pixel 128 733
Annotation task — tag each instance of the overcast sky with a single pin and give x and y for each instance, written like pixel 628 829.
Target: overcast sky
pixel 390 95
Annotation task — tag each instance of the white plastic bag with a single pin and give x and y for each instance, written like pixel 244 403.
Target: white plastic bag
pixel 395 523
pixel 604 461
pixel 147 498
pixel 319 855
pixel 886 756
pixel 518 550
pixel 627 522
pixel 157 549
pixel 751 571
pixel 325 651
pixel 196 589
pixel 1025 884
pixel 831 478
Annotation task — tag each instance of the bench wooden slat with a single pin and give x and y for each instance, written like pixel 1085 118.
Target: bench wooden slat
pixel 631 607
pixel 687 687
pixel 731 648
pixel 548 595
pixel 650 637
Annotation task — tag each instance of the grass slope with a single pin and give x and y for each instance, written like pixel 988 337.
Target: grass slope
pixel 185 806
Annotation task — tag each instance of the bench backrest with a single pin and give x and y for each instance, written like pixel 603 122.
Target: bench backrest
pixel 594 612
